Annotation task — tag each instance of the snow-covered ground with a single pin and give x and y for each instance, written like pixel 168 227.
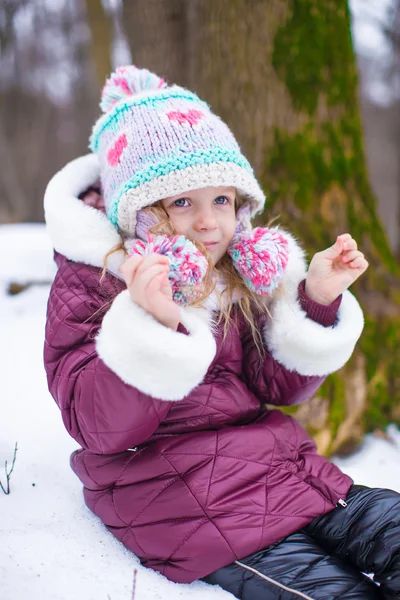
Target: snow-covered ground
pixel 52 547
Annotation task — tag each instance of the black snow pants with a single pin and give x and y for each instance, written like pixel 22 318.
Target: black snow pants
pixel 326 560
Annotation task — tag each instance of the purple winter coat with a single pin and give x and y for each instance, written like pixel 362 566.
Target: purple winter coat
pixel 180 458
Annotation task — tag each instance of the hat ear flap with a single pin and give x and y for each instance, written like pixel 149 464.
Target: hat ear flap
pixel 261 257
pixel 243 219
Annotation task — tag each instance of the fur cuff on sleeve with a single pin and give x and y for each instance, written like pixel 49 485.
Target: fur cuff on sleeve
pixel 152 358
pixel 297 342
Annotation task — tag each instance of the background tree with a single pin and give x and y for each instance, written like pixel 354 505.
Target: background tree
pixel 157 33
pixel 277 74
pixel 101 29
pixel 49 94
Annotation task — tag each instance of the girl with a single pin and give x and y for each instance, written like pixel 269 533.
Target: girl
pixel 165 385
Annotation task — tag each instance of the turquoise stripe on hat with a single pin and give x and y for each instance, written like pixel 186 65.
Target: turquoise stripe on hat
pixel 151 100
pixel 178 162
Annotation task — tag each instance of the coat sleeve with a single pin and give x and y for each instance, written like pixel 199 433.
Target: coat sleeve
pixel 303 340
pixel 114 377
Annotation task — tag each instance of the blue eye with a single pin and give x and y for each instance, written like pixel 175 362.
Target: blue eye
pixel 224 199
pixel 179 202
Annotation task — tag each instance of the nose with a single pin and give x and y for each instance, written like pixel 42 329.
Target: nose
pixel 205 220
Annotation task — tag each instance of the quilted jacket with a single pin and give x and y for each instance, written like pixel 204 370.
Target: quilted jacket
pixel 180 457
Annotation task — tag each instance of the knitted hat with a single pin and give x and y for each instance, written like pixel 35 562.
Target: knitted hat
pixel 156 141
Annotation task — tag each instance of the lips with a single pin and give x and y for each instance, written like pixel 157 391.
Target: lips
pixel 210 244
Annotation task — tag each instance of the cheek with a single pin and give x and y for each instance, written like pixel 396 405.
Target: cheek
pixel 229 229
pixel 179 223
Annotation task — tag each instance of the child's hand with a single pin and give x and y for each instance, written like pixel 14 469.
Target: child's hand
pixel 333 270
pixel 146 278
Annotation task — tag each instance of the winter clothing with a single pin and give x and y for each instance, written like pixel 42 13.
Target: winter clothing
pixel 180 457
pixel 366 534
pixel 156 141
pixel 325 560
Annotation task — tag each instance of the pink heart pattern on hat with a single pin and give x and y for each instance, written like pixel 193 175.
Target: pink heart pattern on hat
pixel 192 116
pixel 115 153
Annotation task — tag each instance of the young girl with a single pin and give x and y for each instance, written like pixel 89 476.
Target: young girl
pixel 163 363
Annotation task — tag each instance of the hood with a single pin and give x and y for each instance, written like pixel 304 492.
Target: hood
pixel 78 231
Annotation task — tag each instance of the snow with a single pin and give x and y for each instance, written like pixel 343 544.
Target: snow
pixel 52 547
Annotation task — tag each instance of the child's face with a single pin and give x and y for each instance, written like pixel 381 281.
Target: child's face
pixel 206 215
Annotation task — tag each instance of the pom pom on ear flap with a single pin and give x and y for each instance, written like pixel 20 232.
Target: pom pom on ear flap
pixel 188 265
pixel 261 257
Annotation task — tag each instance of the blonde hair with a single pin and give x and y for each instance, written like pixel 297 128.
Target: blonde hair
pixel 251 305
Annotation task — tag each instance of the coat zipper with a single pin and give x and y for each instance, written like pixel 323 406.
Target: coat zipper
pixel 341 502
pixel 270 580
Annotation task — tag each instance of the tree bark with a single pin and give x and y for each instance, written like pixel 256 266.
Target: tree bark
pixel 283 75
pixel 101 31
pixel 157 34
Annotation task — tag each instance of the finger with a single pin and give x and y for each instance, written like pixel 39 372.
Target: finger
pixel 148 267
pixel 131 261
pixel 129 268
pixel 344 237
pixel 359 263
pixel 166 286
pixel 158 286
pixel 143 279
pixel 154 285
pixel 350 244
pixel 153 259
pixel 164 278
pixel 337 248
pixel 351 255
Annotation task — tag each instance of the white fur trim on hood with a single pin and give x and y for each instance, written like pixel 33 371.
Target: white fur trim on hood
pixel 78 231
pixel 299 343
pixel 154 359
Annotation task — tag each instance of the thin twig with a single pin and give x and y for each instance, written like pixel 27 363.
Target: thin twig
pixel 7 489
pixel 134 583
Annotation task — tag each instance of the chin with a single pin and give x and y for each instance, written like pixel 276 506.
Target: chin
pixel 215 256
pixel 216 260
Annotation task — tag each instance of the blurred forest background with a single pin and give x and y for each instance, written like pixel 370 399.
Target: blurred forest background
pixel 284 76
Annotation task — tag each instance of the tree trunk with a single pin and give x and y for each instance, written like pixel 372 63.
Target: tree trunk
pixel 157 34
pixel 101 31
pixel 283 75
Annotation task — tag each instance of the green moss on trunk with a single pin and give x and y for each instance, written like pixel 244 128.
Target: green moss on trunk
pixel 313 53
pixel 380 344
pixel 318 184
